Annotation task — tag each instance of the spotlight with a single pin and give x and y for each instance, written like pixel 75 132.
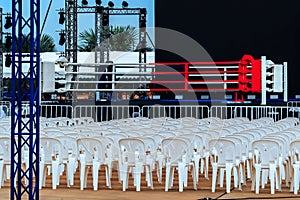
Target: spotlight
pixel 105 19
pixel 62 39
pixel 8 23
pixel 98 2
pixel 84 2
pixel 124 4
pixel 8 42
pixel 111 4
pixel 7 60
pixel 61 17
pixel 143 11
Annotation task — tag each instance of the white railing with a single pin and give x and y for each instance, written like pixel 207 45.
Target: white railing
pixel 109 112
pixel 106 112
pixel 175 111
pixel 56 111
pixel 294 107
pixel 251 112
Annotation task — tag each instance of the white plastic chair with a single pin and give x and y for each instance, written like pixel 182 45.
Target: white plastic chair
pixel 133 159
pixel 176 152
pixel 91 154
pixel 151 154
pixel 69 156
pixel 4 158
pixel 50 155
pixel 295 159
pixel 266 158
pixel 198 154
pixel 223 157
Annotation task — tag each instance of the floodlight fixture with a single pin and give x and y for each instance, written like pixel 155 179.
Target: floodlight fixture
pixel 84 2
pixel 111 4
pixel 98 2
pixel 7 60
pixel 61 17
pixel 8 22
pixel 124 4
pixel 62 38
pixel 8 42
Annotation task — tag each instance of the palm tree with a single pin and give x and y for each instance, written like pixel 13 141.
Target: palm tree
pixel 47 44
pixel 123 38
pixel 88 40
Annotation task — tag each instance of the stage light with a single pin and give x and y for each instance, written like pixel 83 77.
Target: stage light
pixel 111 4
pixel 61 17
pixel 124 4
pixel 143 11
pixel 84 2
pixel 8 23
pixel 98 2
pixel 7 60
pixel 105 19
pixel 8 43
pixel 62 39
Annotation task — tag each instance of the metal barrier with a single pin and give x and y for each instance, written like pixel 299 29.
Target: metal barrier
pixel 251 112
pixel 109 112
pixel 174 111
pixel 56 111
pixel 6 105
pixel 106 112
pixel 294 107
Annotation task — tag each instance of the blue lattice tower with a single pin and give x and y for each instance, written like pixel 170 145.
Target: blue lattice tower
pixel 25 94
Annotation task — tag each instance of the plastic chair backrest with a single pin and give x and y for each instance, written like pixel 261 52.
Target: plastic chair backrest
pixel 266 151
pixel 50 148
pixel 69 146
pixel 174 149
pixel 295 150
pixel 196 142
pixel 5 148
pixel 132 150
pixel 91 148
pixel 224 149
pixel 150 144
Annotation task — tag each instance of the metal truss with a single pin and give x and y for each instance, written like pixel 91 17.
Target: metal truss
pixel 25 130
pixel 71 37
pixel 71 30
pixel 102 14
pixel 112 11
pixel 102 33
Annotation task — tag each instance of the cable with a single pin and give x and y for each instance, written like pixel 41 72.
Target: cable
pixel 247 198
pixel 46 16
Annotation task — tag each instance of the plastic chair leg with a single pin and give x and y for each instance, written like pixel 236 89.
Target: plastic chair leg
pixel 228 176
pixel 296 178
pixel 257 178
pixel 168 178
pixel 82 175
pixel 214 176
pixel 181 176
pixel 95 173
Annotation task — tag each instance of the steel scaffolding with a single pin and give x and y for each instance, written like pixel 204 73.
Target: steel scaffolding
pixel 25 130
pixel 72 9
pixel 102 33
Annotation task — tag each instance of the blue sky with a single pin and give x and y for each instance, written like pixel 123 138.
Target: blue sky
pixel 85 21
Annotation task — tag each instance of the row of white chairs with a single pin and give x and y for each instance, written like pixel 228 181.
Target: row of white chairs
pixel 158 145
